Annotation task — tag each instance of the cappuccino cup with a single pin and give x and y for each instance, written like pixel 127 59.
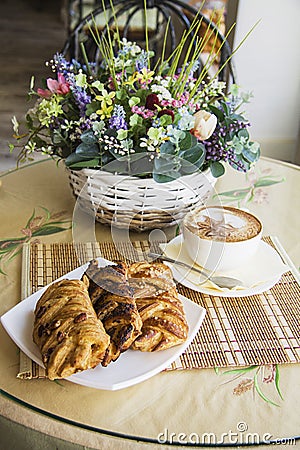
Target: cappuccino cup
pixel 221 238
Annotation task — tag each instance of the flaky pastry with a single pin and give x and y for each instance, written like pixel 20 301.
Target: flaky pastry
pixel 67 331
pixel 163 316
pixel 115 306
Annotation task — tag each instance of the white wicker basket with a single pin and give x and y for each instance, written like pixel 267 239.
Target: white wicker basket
pixel 136 203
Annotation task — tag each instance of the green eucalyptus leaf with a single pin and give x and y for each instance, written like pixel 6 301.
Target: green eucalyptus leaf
pixel 88 137
pixel 166 163
pixel 246 96
pixel 57 138
pixel 238 148
pixel 238 117
pixel 167 148
pixel 162 178
pixel 217 112
pixel 74 158
pixel 166 168
pixel 243 134
pixel 137 164
pixel 188 141
pixel 83 163
pixel 248 155
pixel 217 169
pixel 193 158
pixel 254 147
pixel 87 150
pixel 106 158
pixel 120 166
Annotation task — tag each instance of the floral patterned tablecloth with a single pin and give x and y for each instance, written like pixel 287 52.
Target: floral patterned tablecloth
pixel 37 205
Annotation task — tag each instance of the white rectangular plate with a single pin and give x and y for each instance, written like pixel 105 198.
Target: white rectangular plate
pixel 131 368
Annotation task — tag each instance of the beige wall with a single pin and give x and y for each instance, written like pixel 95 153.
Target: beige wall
pixel 268 63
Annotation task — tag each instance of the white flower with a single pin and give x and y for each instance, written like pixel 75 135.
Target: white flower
pixel 15 125
pixel 205 124
pixel 187 120
pixel 161 91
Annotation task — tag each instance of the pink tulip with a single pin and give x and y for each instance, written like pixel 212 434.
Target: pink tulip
pixel 44 93
pixel 59 86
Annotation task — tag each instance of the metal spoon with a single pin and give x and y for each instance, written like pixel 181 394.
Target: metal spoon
pixel 221 281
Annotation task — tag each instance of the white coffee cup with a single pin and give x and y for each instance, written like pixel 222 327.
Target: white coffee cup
pixel 221 238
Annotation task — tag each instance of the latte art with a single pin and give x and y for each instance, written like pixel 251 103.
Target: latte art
pixel 223 224
pixel 221 238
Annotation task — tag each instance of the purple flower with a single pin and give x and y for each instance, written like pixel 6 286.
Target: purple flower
pixel 82 99
pixel 141 61
pixel 117 119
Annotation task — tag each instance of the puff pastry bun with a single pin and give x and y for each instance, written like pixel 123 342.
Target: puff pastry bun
pixel 66 329
pixel 115 306
pixel 163 316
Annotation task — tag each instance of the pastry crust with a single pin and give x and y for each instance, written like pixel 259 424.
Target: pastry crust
pixel 66 329
pixel 163 316
pixel 115 306
pixel 149 279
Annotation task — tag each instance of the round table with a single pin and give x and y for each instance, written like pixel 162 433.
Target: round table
pixel 172 408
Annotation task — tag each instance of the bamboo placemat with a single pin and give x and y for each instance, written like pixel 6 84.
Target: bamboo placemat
pixel 259 329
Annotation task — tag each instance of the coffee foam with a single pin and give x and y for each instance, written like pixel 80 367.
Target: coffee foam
pixel 223 224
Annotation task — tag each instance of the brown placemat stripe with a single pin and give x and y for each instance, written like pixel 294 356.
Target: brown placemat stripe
pixel 236 332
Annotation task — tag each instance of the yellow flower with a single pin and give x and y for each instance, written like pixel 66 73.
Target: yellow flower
pixel 105 111
pixel 145 76
pixel 106 97
pixel 132 79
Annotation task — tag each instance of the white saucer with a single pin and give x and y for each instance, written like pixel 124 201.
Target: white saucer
pixel 266 263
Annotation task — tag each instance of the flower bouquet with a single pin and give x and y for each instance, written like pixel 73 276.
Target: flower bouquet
pixel 128 118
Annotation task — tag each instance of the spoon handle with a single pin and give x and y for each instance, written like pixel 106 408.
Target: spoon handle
pixel 179 263
pixel 221 281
